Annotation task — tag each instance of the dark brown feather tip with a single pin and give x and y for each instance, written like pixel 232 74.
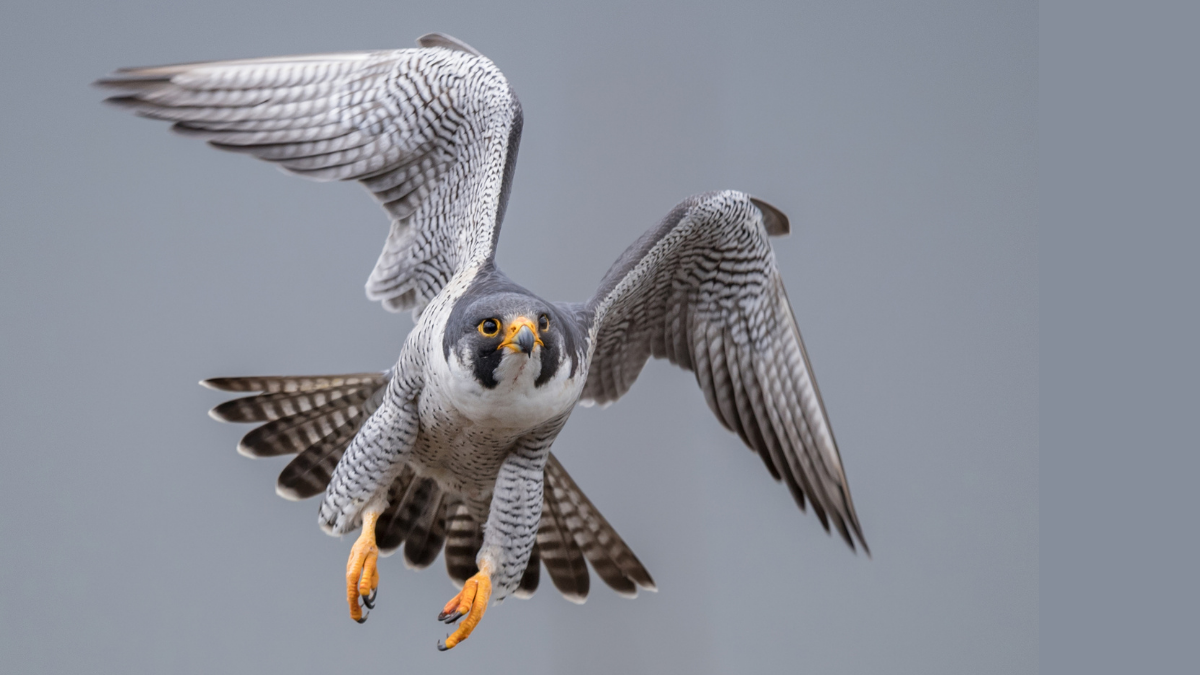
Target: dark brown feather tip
pixel 447 42
pixel 774 220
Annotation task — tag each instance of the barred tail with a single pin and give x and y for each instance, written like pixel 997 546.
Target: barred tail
pixel 576 531
pixel 571 534
pixel 415 517
pixel 314 418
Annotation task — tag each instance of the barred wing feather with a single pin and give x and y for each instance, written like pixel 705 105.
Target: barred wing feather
pixel 432 133
pixel 701 290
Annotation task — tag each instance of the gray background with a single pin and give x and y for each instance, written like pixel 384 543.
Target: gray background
pixel 1119 329
pixel 902 141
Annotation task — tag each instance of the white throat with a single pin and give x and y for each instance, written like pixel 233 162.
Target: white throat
pixel 515 402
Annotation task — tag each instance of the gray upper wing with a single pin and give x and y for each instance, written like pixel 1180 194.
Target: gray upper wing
pixel 431 132
pixel 701 290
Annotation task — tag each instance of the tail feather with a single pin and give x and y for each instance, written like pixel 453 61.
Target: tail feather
pixel 415 517
pixel 308 474
pixel 408 497
pixel 291 435
pixel 609 555
pixel 605 568
pixel 424 541
pixel 317 417
pixel 275 384
pixel 268 407
pixel 562 556
pixel 391 529
pixel 314 416
pixel 464 537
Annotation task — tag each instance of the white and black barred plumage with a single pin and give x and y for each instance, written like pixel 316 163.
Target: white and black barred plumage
pixel 452 444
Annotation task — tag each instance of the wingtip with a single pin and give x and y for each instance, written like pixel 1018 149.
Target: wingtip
pixel 774 220
pixel 116 80
pixel 133 79
pixel 126 102
pixel 855 541
pixel 446 42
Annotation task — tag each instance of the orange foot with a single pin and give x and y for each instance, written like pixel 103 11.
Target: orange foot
pixel 472 600
pixel 362 574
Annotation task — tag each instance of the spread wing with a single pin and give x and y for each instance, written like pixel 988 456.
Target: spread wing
pixel 431 132
pixel 701 290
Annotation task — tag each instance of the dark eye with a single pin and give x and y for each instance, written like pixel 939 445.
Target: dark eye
pixel 489 327
pixel 543 322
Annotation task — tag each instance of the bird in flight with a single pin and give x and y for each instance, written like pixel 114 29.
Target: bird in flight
pixel 451 445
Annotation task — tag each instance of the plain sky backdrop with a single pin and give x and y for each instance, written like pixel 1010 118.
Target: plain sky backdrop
pixel 901 139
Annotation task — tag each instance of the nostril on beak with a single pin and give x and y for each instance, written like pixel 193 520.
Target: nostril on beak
pixel 525 340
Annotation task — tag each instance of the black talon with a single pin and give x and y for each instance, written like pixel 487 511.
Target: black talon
pixel 369 601
pixel 442 646
pixel 451 617
pixel 363 619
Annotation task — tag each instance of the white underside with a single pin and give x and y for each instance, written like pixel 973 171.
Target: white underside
pixel 515 402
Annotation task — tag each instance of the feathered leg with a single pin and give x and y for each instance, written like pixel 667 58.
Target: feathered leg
pixel 358 490
pixel 508 536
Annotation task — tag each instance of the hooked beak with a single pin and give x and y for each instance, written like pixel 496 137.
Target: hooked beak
pixel 522 336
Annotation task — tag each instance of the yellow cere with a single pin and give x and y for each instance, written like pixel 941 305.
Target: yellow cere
pixel 511 333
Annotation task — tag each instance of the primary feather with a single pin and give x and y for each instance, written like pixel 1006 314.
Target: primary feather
pixel 431 132
pixel 702 291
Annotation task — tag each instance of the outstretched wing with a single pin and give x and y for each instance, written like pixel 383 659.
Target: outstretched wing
pixel 701 289
pixel 431 132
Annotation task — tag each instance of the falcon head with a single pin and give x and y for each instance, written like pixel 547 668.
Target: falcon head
pixel 511 339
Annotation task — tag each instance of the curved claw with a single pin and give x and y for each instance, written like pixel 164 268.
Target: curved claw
pixel 362 571
pixel 471 601
pixel 449 618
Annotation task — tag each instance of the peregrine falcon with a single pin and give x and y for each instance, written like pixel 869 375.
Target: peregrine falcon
pixel 451 445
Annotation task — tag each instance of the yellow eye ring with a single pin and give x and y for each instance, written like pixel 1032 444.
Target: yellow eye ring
pixel 489 328
pixel 543 323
